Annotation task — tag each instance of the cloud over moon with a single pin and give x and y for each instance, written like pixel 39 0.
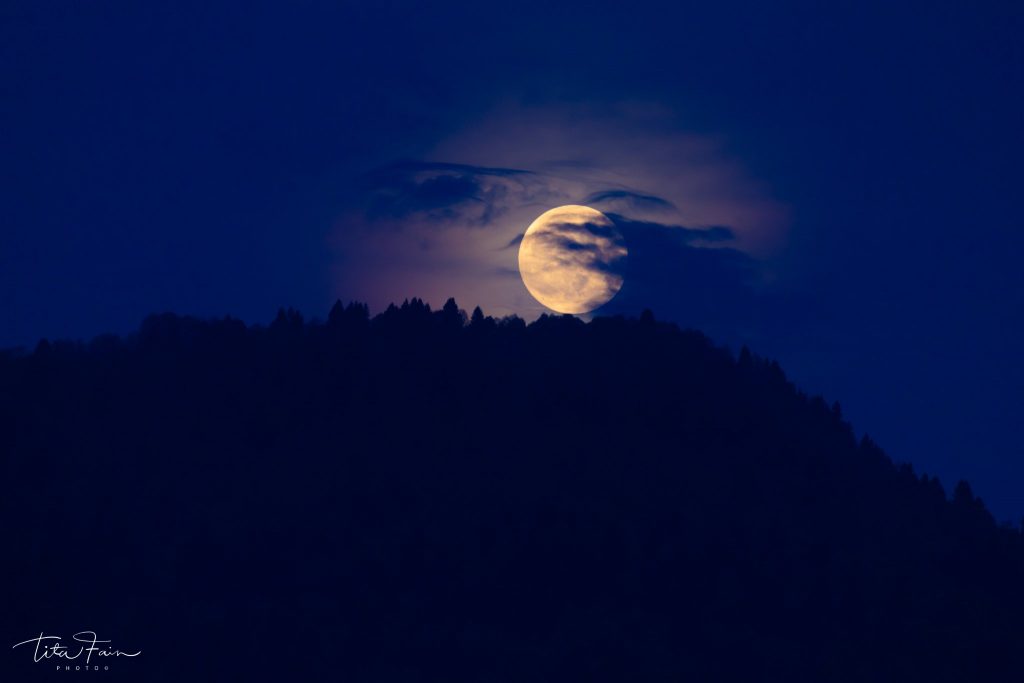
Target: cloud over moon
pixel 572 259
pixel 451 225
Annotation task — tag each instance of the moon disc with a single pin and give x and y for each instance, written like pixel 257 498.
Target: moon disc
pixel 572 258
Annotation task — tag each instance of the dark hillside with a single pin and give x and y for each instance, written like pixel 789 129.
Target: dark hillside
pixel 422 497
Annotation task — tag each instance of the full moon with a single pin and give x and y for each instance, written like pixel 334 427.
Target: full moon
pixel 572 258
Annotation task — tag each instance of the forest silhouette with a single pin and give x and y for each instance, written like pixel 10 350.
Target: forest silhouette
pixel 429 496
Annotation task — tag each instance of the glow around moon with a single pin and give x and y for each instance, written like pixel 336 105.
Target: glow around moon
pixel 572 259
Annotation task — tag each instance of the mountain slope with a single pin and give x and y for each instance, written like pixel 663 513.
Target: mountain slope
pixel 424 497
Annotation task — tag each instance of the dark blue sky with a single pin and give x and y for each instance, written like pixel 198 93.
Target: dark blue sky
pixel 216 158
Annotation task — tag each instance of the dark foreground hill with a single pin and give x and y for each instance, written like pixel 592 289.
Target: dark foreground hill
pixel 419 497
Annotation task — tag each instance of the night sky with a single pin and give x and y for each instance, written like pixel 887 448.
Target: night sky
pixel 835 184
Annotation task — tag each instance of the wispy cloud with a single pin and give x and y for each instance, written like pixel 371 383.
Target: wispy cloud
pixel 626 200
pixel 444 193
